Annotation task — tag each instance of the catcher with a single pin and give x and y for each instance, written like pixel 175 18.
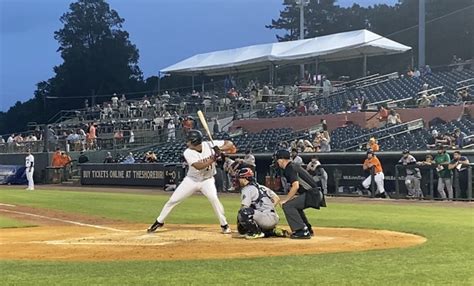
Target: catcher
pixel 257 217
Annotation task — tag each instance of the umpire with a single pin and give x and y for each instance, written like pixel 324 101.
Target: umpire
pixel 304 193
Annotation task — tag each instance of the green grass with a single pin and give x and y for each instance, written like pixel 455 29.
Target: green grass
pixel 445 259
pixel 10 223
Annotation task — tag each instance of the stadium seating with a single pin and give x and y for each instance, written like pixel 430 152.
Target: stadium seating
pixel 394 89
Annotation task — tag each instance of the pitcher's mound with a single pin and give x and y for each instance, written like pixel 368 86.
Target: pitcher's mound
pixel 131 242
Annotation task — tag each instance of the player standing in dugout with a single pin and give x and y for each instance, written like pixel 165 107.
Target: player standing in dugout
pixel 304 193
pixel 201 158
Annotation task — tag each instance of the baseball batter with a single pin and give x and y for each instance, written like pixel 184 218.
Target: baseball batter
pixel 257 217
pixel 201 157
pixel 373 161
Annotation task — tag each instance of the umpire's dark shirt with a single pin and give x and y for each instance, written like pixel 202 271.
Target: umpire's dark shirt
pixel 294 172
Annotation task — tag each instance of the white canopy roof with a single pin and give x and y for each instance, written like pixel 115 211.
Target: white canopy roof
pixel 333 47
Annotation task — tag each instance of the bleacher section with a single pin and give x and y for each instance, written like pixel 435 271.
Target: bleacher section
pixel 394 138
pixel 387 90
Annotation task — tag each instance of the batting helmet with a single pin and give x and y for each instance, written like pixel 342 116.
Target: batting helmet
pixel 194 136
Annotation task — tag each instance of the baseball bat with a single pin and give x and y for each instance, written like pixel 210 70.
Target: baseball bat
pixel 204 124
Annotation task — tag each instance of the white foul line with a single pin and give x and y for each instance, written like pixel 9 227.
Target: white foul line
pixel 7 205
pixel 66 221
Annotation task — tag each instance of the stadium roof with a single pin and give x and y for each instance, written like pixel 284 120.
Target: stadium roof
pixel 335 47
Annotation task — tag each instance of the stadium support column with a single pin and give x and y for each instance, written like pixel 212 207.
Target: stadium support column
pixel 192 81
pixel 421 34
pixel 271 74
pixel 301 4
pixel 364 66
pixel 316 66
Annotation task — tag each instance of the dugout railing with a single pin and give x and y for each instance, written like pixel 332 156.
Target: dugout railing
pixel 461 182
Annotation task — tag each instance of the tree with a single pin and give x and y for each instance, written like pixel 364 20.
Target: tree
pixel 98 58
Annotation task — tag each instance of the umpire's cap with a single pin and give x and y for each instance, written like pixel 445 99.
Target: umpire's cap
pixel 406 151
pixel 282 154
pixel 370 151
pixel 194 136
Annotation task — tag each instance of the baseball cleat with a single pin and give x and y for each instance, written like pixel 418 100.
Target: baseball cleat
pixel 156 225
pixel 301 234
pixel 226 229
pixel 255 235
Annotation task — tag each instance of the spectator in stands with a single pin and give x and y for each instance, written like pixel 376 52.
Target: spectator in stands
pixel 308 147
pixel 75 140
pixel 459 165
pixel 132 137
pixel 325 141
pixel 444 140
pixel 382 116
pixel 216 128
pixel 82 138
pixel 432 142
pixel 410 73
pixel 363 101
pixel 301 109
pixel 150 157
pixel 123 99
pixel 427 71
pixel 171 131
pixel 324 124
pixel 82 158
pixel 393 118
pixel 280 108
pixel 459 138
pixel 118 137
pixel 355 107
pixel 129 159
pixel 107 111
pixel 115 101
pixel 463 95
pixel 86 104
pixel 233 94
pixel 295 158
pixel 195 94
pixel 315 169
pixel 313 107
pixel 442 160
pixel 416 73
pixel 372 145
pixel 91 136
pixel 327 87
pixel 10 139
pixel 108 158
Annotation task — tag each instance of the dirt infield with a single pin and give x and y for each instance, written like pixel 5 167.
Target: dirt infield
pixel 78 238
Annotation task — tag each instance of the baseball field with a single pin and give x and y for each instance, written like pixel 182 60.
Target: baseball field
pixel 97 236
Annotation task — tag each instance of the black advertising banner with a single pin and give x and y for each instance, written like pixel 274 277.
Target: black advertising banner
pixel 131 174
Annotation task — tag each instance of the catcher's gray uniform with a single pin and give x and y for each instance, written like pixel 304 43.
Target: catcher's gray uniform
pixel 258 198
pixel 412 180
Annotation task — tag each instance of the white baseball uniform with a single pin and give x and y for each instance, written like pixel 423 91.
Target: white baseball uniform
pixel 30 169
pixel 197 180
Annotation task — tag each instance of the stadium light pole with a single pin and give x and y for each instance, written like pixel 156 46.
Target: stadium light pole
pixel 302 4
